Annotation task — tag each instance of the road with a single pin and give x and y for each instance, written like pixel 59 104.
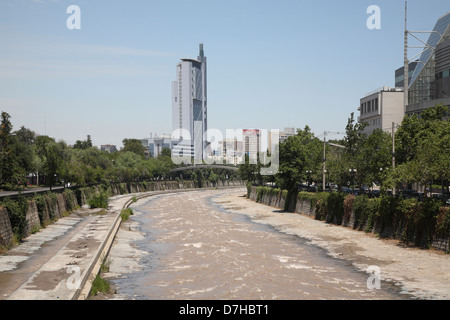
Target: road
pixel 216 244
pixel 5 194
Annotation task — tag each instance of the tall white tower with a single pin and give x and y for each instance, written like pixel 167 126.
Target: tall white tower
pixel 189 108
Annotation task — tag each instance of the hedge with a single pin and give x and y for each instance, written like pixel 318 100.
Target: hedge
pixel 414 222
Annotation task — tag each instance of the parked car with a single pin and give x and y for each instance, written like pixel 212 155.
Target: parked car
pixel 375 193
pixel 346 190
pixel 365 189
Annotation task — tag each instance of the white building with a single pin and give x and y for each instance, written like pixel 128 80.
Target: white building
pixel 252 143
pixel 229 151
pixel 157 143
pixel 189 107
pixel 381 108
pixel 108 148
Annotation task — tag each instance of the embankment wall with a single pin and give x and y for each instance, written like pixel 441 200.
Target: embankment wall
pixel 44 208
pixel 412 223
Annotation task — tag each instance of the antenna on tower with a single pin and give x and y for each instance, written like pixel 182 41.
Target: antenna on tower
pixel 202 53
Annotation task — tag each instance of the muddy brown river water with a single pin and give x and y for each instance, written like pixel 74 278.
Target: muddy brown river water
pixel 196 245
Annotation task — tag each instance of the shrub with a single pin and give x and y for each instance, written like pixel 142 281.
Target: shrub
pixel 409 210
pixel 264 191
pixel 249 189
pixel 70 198
pixel 259 193
pixel 348 206
pixel 17 211
pixel 442 229
pixel 365 211
pixel 52 202
pixel 41 204
pixel 320 200
pixel 99 200
pixel 125 214
pixel 372 215
pixel 335 208
pixel 425 222
pixel 389 214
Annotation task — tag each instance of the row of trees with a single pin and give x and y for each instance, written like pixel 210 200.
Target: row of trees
pixel 24 154
pixel 422 145
pixel 422 155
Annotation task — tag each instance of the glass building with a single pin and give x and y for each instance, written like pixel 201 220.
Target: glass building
pixel 443 70
pixel 422 85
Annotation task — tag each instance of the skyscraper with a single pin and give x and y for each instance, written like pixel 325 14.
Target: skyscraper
pixel 189 107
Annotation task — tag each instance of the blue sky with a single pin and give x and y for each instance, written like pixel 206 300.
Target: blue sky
pixel 271 64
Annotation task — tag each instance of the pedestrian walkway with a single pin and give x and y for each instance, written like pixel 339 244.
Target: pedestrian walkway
pixel 60 261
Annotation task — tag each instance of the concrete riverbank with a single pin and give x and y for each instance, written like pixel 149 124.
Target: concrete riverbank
pixel 60 261
pixel 421 273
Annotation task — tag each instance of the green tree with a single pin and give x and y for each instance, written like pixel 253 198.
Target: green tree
pixel 423 148
pixel 51 155
pixel 336 165
pixel 133 145
pixel 8 168
pixel 375 157
pixel 249 171
pixel 129 166
pixel 24 149
pixel 26 136
pixel 298 154
pixel 22 154
pixel 354 135
pixel 353 142
pixel 86 144
pixel 166 152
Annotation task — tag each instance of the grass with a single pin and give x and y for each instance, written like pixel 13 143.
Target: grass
pixel 100 213
pixel 35 229
pixel 100 285
pixel 3 249
pixel 125 214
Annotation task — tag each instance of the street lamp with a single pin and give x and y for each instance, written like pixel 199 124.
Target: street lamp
pixel 329 181
pixel 353 173
pixel 309 172
pixel 381 179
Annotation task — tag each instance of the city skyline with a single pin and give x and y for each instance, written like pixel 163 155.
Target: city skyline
pixel 271 64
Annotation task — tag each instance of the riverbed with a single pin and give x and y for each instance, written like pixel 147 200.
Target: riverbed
pixel 216 244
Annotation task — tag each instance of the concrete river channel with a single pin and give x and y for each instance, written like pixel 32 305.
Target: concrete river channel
pixel 196 245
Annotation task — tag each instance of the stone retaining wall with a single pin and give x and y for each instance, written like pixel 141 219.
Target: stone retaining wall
pixel 55 205
pixel 32 217
pixel 6 234
pixel 305 207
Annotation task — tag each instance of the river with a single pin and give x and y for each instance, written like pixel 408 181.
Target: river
pixel 193 245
